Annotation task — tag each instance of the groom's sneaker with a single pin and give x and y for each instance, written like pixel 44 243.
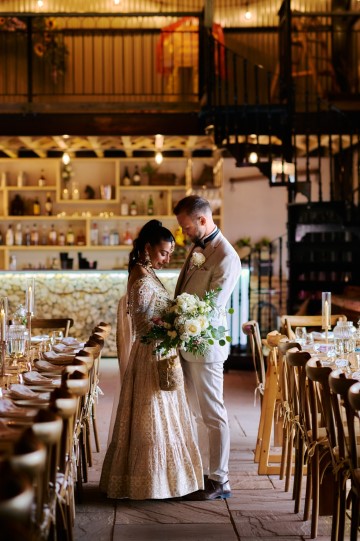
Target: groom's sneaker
pixel 213 491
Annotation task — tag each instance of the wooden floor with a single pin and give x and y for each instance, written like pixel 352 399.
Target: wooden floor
pixel 258 509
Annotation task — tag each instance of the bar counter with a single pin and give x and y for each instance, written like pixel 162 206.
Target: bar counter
pixel 86 296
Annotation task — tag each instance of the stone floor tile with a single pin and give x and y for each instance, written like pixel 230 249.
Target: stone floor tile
pixel 243 482
pixel 182 532
pixel 266 525
pixel 94 526
pixel 131 512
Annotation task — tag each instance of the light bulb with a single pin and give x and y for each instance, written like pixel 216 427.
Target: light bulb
pixel 248 14
pixel 40 3
pixel 158 158
pixel 117 2
pixel 253 157
pixel 159 141
pixel 66 158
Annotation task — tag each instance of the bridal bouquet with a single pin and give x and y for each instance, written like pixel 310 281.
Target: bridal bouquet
pixel 186 324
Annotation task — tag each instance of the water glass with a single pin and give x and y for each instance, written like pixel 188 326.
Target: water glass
pixel 300 334
pixel 56 337
pixel 17 341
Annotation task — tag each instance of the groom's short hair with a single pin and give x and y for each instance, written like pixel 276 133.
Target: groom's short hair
pixel 192 205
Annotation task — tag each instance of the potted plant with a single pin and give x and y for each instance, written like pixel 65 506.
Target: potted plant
pixel 243 247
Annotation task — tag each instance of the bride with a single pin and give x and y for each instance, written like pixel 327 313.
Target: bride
pixel 153 453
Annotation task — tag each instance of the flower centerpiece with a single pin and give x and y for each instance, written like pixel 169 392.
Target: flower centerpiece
pixel 186 324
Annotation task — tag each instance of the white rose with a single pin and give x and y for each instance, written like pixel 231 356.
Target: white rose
pixel 203 321
pixel 192 327
pixel 197 259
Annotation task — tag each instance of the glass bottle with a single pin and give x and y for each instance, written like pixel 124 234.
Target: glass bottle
pixel 150 206
pixel 36 207
pixel 12 262
pixel 105 237
pixel 114 237
pixel 70 236
pixel 133 208
pixel 48 204
pixel 61 238
pixel 80 239
pixel 44 236
pixel 27 236
pixel 136 179
pixel 42 179
pixel 52 235
pixel 18 235
pixel 124 208
pixel 127 237
pixel 9 238
pixel 34 235
pixel 94 235
pixel 126 179
pixel 344 337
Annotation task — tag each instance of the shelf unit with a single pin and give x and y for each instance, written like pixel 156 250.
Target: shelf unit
pixel 322 245
pixel 82 213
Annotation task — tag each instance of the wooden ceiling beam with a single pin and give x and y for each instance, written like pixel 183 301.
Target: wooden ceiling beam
pixel 32 145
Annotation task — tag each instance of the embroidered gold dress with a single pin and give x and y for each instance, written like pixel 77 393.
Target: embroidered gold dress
pixel 153 453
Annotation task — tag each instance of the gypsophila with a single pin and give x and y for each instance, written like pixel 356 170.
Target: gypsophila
pixel 186 324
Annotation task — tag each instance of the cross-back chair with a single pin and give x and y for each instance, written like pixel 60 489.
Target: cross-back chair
pixel 353 424
pixel 52 324
pixel 251 329
pixel 288 322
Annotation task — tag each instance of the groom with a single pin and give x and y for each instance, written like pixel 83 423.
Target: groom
pixel 219 268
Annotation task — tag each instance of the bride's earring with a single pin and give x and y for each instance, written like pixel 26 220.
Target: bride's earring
pixel 147 261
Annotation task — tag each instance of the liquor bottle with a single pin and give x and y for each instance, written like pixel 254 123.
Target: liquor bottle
pixel 9 238
pixel 80 239
pixel 18 235
pixel 114 237
pixel 124 208
pixel 126 179
pixel 150 205
pixel 52 235
pixel 127 237
pixel 34 236
pixel 61 238
pixel 36 207
pixel 44 235
pixel 133 208
pixel 48 204
pixel 42 179
pixel 70 236
pixel 136 179
pixel 105 237
pixel 12 262
pixel 27 236
pixel 94 235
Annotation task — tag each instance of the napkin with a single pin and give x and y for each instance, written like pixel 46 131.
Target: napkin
pixel 70 341
pixel 322 335
pixel 9 409
pixel 45 366
pixel 58 358
pixel 63 348
pixel 21 391
pixel 35 377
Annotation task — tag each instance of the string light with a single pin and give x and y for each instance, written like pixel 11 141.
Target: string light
pixel 253 157
pixel 117 2
pixel 40 3
pixel 248 13
pixel 159 158
pixel 159 143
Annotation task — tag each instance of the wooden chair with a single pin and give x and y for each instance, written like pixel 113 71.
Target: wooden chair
pixel 353 415
pixel 251 329
pixel 53 324
pixel 288 322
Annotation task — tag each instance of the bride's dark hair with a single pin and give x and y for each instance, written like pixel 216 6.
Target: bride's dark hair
pixel 152 232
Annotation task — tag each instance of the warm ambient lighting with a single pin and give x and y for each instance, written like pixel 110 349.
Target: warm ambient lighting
pixel 40 3
pixel 253 157
pixel 248 15
pixel 117 2
pixel 159 141
pixel 66 158
pixel 158 158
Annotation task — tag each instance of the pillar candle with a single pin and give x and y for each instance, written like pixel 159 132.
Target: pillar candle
pixel 3 324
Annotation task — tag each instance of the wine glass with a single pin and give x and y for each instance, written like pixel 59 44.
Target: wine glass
pixel 300 334
pixel 56 337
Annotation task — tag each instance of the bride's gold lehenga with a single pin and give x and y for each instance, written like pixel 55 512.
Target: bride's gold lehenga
pixel 152 453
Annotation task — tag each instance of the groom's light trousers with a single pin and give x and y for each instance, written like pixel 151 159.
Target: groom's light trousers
pixel 204 387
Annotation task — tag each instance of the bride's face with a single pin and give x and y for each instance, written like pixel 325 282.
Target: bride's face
pixel 160 253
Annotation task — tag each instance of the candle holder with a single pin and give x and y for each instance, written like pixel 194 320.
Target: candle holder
pixel 29 305
pixel 326 312
pixel 3 335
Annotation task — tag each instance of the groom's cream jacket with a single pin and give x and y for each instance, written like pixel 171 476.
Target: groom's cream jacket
pixel 221 269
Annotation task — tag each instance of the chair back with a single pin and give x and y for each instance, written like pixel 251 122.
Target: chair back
pixel 354 401
pixel 288 322
pixel 53 324
pixel 251 329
